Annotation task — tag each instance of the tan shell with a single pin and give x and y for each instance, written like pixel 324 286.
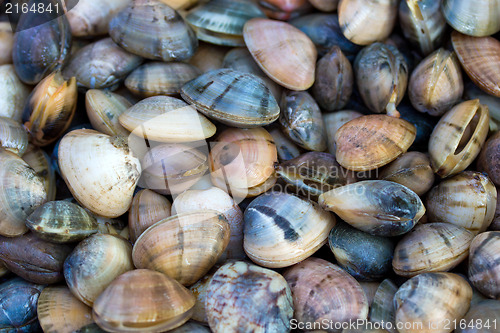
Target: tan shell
pixel 13 92
pixel 484 270
pixel 104 108
pixel 473 17
pixel 180 4
pixel 6 43
pixel 40 161
pixel 13 136
pixel 325 5
pixel 334 121
pixel 208 57
pixel 283 52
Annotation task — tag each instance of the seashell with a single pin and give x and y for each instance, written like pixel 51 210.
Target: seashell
pixel 378 207
pixel 285 147
pixel 263 288
pixel 495 224
pixel 280 49
pixel 21 192
pixel 103 109
pixel 101 64
pixel 423 122
pixel 325 5
pixel 6 43
pixel 95 263
pixel 216 199
pixel 283 9
pixel 89 18
pixel 153 30
pixel 426 302
pixel 281 229
pixel 208 56
pixel 475 18
pixel 412 169
pixel 382 76
pixel 61 222
pixel 13 93
pixel 335 120
pixel 166 119
pixel 372 141
pixel 221 21
pixel 40 161
pixel 50 109
pixel 334 80
pixel 369 288
pixel 204 235
pixel 33 259
pixel 180 4
pixel 259 189
pixel 431 247
pixel 143 301
pixel 13 137
pixel 59 311
pixel 382 307
pixel 147 208
pixel 159 78
pixel 484 314
pixel 365 22
pixel 219 95
pixel 436 83
pixel 100 171
pixel 493 103
pixel 42 43
pixel 199 290
pixel 478 57
pixel 350 248
pixel 314 173
pixel 488 159
pixel 484 270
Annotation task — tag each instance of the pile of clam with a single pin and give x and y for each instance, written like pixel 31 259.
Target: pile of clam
pixel 250 166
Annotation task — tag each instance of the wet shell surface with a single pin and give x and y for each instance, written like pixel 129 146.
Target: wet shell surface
pixel 382 307
pixel 487 160
pixel 473 17
pixel 484 312
pixel 264 289
pixel 484 267
pixel 13 93
pixel 285 147
pixel 41 162
pixel 334 121
pixel 103 109
pixel 13 136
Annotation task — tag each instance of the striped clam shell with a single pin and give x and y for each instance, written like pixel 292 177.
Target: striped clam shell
pixel 40 161
pixel 334 121
pixel 484 267
pixel 382 307
pixel 473 17
pixel 103 109
pixel 13 92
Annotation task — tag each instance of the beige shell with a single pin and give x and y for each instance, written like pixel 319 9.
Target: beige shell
pixel 473 17
pixel 103 109
pixel 100 171
pixel 334 121
pixel 180 4
pixel 40 161
pixel 484 270
pixel 13 93
pixel 6 43
pixel 13 136
pixel 208 57
pixel 325 5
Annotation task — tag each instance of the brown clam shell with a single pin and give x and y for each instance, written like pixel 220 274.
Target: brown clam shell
pixel 489 157
pixel 484 263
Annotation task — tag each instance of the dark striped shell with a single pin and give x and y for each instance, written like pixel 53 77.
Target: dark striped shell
pixel 484 263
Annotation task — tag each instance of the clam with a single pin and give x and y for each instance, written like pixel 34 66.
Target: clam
pixel 21 192
pixel 100 171
pixel 351 248
pixel 484 268
pixel 41 44
pixel 283 9
pixel 323 292
pixel 285 147
pixel 216 199
pixel 199 290
pixel 103 109
pixel 283 52
pixel 101 64
pixel 59 311
pixel 40 161
pixel 372 141
pixel 378 207
pixel 369 288
pixel 412 169
pixel 382 76
pixel 166 119
pixel 221 21
pixel 61 222
pixel 6 43
pixel 474 92
pixel 458 137
pixel 95 263
pixel 485 315
pixel 488 158
pixel 301 120
pixel 33 259
pixel 382 307
pixel 208 57
pixel 467 200
pixel 143 301
pixel 325 5
pixel 436 83
pixel 183 246
pixel 475 18
pixel 365 22
pixel 158 78
pixel 429 302
pixel 13 137
pixel 153 30
pixel 13 93
pixel 50 109
pixel 281 229
pixel 495 224
pixel 334 80
pixel 232 97
pixel 263 289
pixel 335 120
pixel 147 208
pixel 431 247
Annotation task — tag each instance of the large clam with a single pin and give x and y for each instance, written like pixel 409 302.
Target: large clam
pixel 473 17
pixel 103 109
pixel 484 268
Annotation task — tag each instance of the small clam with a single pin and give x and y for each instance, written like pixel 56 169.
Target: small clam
pixel 153 30
pixel 473 17
pixel 382 307
pixel 334 121
pixel 484 267
pixel 467 200
pixel 13 136
pixel 325 5
pixel 485 315
pixel 100 171
pixel 101 64
pixel 40 161
pixel 372 141
pixel 282 229
pixel 351 246
pixel 364 22
pixel 489 157
pixel 6 43
pixel 208 57
pixel 378 207
pixel 427 302
pixel 285 147
pixel 159 78
pixel 13 93
pixel 436 83
pixel 283 52
pixel 103 109
pixel 95 263
pixel 266 305
pixel 234 98
pixel 283 9
pixel 183 246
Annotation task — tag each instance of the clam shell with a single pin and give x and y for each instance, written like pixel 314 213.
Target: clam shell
pixel 103 109
pixel 40 161
pixel 484 312
pixel 475 18
pixel 285 147
pixel 280 49
pixel 334 121
pixel 13 136
pixel 472 92
pixel 180 4
pixel 487 161
pixel 6 43
pixel 382 307
pixel 208 57
pixel 13 93
pixel 199 290
pixel 284 9
pixel 484 268
pixel 183 246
